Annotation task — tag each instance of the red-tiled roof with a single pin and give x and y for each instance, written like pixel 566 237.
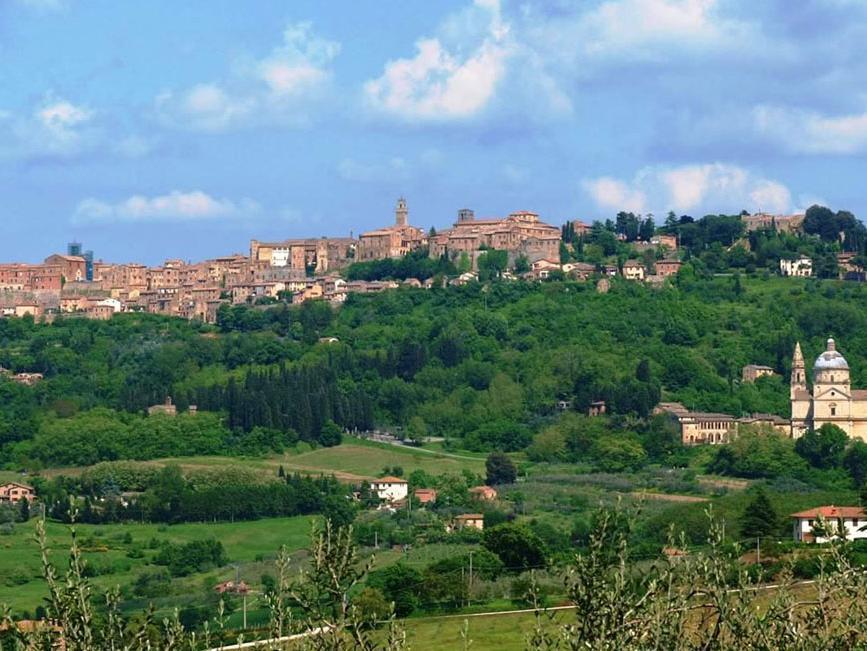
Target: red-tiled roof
pixel 470 516
pixel 390 480
pixel 832 512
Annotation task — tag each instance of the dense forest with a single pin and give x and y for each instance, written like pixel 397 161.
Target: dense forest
pixel 487 366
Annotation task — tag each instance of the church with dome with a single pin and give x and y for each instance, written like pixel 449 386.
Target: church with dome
pixel 831 399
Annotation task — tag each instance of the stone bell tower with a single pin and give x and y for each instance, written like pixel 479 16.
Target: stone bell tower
pixel 799 373
pixel 401 213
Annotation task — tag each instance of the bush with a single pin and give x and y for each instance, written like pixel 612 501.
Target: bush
pixel 190 557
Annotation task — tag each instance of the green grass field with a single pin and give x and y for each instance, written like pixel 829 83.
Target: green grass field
pixel 368 460
pixel 106 547
pixel 352 461
pixel 486 633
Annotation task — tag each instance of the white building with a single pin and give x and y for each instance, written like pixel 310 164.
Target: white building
pixel 852 519
pixel 633 270
pixel 802 267
pixel 390 489
pixel 113 303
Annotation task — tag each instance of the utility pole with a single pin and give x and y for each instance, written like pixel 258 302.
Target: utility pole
pixel 470 584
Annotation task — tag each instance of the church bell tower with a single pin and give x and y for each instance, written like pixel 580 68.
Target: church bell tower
pixel 401 213
pixel 799 373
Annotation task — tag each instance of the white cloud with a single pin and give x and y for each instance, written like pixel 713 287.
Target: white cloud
pixel 273 90
pixel 636 31
pixel 809 132
pixel 55 127
pixel 442 82
pixel 175 206
pixel 713 187
pixel 615 195
pixel 59 129
pixel 60 120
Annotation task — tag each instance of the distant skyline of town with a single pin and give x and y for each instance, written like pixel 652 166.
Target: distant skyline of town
pixel 153 130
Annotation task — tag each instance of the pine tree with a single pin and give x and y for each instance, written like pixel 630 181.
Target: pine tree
pixel 759 518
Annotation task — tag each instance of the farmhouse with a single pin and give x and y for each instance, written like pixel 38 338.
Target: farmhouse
pixel 826 522
pixel 14 492
pixel 390 489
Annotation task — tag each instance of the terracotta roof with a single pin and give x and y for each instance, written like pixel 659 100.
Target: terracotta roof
pixel 15 483
pixel 470 516
pixel 859 394
pixel 705 415
pixel 831 512
pixel 390 480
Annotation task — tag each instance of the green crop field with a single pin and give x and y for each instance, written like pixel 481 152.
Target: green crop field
pixel 352 461
pixel 107 549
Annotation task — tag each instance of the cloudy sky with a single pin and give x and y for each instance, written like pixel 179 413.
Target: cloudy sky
pixel 159 129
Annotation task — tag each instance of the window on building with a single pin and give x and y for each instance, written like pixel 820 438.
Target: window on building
pixel 833 410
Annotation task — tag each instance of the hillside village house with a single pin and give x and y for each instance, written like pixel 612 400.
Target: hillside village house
pixel 800 268
pixel 469 520
pixel 390 489
pixel 668 268
pixel 483 493
pixel 165 409
pixel 13 492
pixel 633 270
pixel 320 254
pixel 425 495
pixel 752 372
pixel 836 520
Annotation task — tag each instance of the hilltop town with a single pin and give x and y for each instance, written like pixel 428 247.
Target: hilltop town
pixel 465 399
pixel 518 246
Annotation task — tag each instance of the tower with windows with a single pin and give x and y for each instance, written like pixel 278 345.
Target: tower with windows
pixel 401 213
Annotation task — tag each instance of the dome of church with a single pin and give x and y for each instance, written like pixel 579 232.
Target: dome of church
pixel 831 359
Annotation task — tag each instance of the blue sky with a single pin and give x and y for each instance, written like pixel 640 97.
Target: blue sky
pixel 163 129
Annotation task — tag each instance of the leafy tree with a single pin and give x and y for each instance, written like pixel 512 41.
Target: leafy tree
pixel 500 469
pixel 331 434
pixel 823 448
pixel 401 585
pixel 855 462
pixel 517 546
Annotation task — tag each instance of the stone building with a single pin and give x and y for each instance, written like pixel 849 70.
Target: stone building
pixel 317 254
pixel 668 268
pixel 392 241
pixel 521 233
pixel 831 399
pixel 802 267
pixel 781 223
pixel 752 372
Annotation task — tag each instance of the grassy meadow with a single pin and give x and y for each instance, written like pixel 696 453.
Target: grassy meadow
pixel 111 551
